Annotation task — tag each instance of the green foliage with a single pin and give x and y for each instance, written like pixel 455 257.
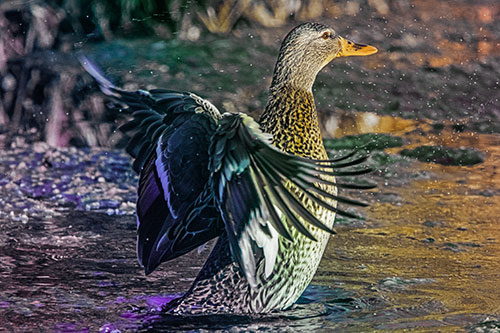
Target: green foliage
pixel 379 160
pixel 369 142
pixel 139 17
pixel 444 155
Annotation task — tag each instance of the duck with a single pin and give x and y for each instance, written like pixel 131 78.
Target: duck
pixel 265 189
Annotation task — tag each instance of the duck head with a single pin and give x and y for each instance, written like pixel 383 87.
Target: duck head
pixel 306 50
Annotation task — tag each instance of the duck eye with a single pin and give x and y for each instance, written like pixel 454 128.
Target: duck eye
pixel 326 35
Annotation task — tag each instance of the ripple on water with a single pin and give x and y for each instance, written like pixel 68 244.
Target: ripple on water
pixel 425 256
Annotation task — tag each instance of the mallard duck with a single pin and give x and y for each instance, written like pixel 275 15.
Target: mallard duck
pixel 266 189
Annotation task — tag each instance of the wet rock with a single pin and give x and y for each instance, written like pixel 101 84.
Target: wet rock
pixel 401 283
pixel 393 198
pixel 487 193
pixel 454 247
pixel 432 224
pixel 470 244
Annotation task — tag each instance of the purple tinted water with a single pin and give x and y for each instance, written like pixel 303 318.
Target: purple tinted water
pixel 67 258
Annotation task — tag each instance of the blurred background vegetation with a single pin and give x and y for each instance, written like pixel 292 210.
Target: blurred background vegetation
pixel 225 51
pixel 38 77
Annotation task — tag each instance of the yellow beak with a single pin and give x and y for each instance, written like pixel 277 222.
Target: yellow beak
pixel 348 48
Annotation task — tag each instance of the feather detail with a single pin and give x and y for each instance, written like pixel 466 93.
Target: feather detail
pixel 251 182
pixel 203 174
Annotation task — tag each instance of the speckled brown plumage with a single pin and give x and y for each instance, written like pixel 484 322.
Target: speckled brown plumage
pixel 207 174
pixel 291 117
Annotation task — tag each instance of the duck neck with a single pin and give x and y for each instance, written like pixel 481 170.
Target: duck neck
pixel 291 117
pixel 294 68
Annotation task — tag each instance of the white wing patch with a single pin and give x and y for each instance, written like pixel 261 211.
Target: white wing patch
pixel 268 241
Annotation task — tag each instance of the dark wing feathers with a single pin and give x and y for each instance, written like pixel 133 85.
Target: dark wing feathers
pixel 263 180
pixel 202 174
pixel 160 236
pixel 251 182
pixel 285 199
pixel 170 136
pixel 181 168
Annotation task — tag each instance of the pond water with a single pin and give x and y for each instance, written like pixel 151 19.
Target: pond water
pixel 426 255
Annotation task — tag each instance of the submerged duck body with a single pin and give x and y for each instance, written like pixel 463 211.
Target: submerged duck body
pixel 266 189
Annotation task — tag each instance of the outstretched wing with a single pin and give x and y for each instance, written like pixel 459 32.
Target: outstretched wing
pixel 171 134
pixel 251 181
pixel 175 209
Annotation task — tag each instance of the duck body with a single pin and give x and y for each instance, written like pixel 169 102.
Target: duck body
pixel 266 189
pixel 220 287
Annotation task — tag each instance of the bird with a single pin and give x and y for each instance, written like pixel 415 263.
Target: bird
pixel 265 189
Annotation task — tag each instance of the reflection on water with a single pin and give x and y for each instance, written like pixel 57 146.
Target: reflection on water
pixel 425 257
pixel 343 123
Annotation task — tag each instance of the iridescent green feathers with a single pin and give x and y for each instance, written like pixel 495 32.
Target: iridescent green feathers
pixel 203 174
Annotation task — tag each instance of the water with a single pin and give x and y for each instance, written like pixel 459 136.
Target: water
pixel 425 257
